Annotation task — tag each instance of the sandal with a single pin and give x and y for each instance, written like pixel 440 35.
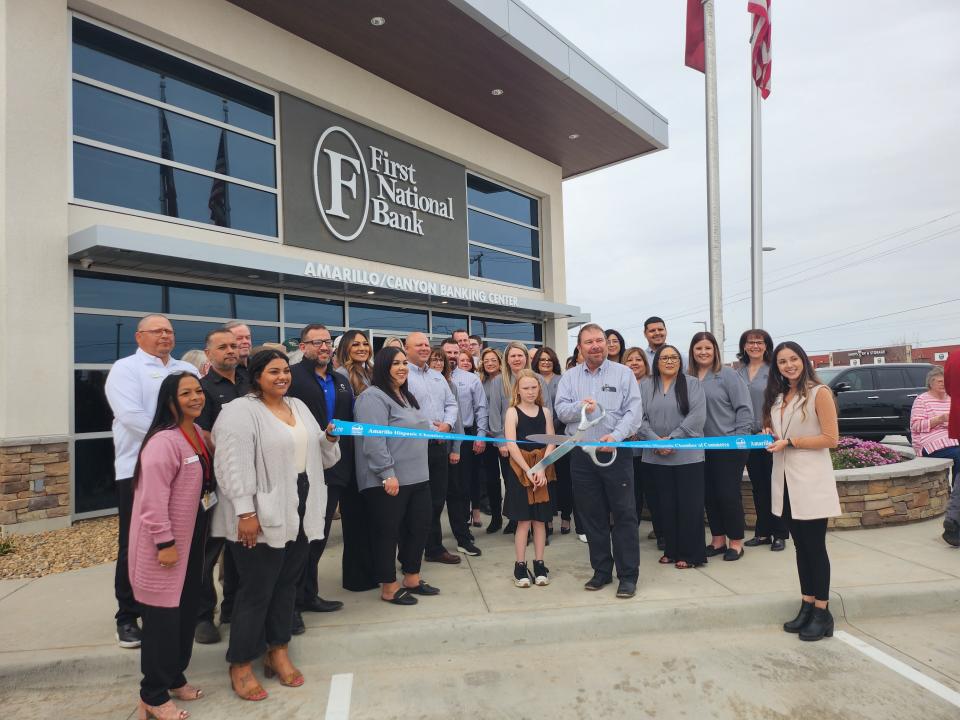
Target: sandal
pixel 292 679
pixel 167 711
pixel 187 692
pixel 421 589
pixel 664 560
pixel 255 693
pixel 401 597
pixel 684 565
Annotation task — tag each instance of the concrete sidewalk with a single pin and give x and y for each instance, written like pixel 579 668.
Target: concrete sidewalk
pixel 61 626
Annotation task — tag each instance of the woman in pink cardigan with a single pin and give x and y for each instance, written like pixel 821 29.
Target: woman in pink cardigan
pixel 173 488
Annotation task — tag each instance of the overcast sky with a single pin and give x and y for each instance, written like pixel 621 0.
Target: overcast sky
pixel 860 141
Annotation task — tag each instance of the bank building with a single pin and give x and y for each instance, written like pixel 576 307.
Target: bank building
pixel 390 166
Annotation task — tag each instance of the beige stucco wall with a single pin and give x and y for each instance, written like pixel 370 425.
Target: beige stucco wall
pixel 36 354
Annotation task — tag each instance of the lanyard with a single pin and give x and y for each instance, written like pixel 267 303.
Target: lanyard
pixel 203 453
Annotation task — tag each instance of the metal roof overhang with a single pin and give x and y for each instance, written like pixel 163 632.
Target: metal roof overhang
pixel 453 53
pixel 197 261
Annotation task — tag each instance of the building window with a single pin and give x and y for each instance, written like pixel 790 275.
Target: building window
pixel 157 134
pixel 381 317
pixel 526 332
pixel 504 231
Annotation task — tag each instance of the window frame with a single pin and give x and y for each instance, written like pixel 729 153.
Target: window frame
pixel 277 192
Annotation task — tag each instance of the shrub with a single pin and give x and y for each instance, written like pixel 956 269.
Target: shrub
pixel 6 546
pixel 854 453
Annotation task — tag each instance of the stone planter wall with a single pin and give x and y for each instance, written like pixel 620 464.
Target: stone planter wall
pixel 34 483
pixel 886 495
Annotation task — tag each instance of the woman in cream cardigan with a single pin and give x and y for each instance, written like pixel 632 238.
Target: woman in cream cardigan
pixel 269 463
pixel 801 414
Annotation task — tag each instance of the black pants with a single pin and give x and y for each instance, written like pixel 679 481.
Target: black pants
pixel 168 632
pixel 493 466
pixel 458 490
pixel 645 492
pixel 400 524
pixel 760 470
pixel 208 590
pixel 477 478
pixel 438 465
pixel 722 474
pixel 267 592
pixel 357 562
pixel 565 499
pixel 810 540
pixel 602 493
pixel 680 490
pixel 308 586
pixel 128 610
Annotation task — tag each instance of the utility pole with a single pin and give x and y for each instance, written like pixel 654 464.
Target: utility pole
pixel 713 174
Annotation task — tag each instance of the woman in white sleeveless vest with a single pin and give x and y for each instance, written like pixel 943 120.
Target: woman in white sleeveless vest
pixel 801 414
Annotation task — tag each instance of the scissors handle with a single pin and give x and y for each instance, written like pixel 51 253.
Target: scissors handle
pixel 592 452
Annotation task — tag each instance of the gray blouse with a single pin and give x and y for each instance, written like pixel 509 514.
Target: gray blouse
pixel 498 402
pixel 729 409
pixel 757 387
pixel 379 458
pixel 662 418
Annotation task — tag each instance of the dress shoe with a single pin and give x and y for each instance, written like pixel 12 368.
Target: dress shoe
pixel 951 532
pixel 802 618
pixel 494 526
pixel 129 635
pixel 712 551
pixel 597 582
pixel 564 530
pixel 626 589
pixel 296 624
pixel 778 544
pixel 731 555
pixel 819 627
pixel 318 604
pixel 206 633
pixel 757 541
pixel 446 557
pixel 510 528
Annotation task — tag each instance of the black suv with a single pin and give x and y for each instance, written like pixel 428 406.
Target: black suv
pixel 875 400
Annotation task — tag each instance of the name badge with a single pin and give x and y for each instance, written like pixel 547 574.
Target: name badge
pixel 608 388
pixel 157 375
pixel 208 500
pixel 192 459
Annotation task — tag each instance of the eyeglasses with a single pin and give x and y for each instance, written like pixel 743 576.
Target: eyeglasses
pixel 755 342
pixel 669 358
pixel 158 332
pixel 319 343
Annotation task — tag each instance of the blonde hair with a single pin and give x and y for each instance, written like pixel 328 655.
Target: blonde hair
pixel 515 396
pixel 484 375
pixel 506 374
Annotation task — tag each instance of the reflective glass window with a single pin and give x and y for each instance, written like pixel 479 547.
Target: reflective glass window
pixel 113 179
pixel 859 379
pixel 118 120
pixel 91 411
pixel 117 60
pixel 387 318
pixel 507 329
pixel 95 478
pixel 890 379
pixel 493 265
pixel 103 338
pixel 262 334
pixel 257 307
pixel 496 198
pixel 110 294
pixel 199 301
pixel 502 234
pixel 444 324
pixel 311 310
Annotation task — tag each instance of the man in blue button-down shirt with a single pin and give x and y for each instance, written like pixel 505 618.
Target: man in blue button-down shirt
pixel 437 405
pixel 604 492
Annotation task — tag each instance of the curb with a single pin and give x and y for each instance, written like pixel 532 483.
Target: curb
pixel 107 664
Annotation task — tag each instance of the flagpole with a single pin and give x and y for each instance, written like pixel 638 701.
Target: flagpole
pixel 756 207
pixel 713 175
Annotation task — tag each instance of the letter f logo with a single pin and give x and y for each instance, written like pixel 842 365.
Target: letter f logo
pixel 337 183
pixel 339 176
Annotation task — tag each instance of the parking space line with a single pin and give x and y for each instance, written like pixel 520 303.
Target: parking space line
pixel 901 668
pixel 338 703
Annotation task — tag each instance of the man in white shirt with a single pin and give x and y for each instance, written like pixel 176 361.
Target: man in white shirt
pixel 131 388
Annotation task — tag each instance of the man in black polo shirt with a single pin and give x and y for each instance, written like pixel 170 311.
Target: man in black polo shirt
pixel 328 395
pixel 224 382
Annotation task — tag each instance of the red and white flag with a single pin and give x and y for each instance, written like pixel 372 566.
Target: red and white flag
pixel 694 57
pixel 760 44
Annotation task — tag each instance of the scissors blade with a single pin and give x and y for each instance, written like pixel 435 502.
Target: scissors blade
pixel 551 458
pixel 548 439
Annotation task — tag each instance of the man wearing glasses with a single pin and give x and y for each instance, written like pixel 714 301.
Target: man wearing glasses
pixel 329 397
pixel 606 508
pixel 132 387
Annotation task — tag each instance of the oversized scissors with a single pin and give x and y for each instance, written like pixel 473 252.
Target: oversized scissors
pixel 566 443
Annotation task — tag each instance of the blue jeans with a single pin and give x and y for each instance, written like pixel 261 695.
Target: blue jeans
pixel 950 453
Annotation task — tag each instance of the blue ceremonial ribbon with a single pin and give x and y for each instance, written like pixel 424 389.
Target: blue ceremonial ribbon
pixel 732 442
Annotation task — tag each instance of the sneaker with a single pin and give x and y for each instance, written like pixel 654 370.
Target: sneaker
pixel 206 633
pixel 541 575
pixel 521 575
pixel 468 548
pixel 582 537
pixel 129 635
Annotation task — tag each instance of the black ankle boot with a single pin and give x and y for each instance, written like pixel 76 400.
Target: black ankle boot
pixel 820 625
pixel 802 618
